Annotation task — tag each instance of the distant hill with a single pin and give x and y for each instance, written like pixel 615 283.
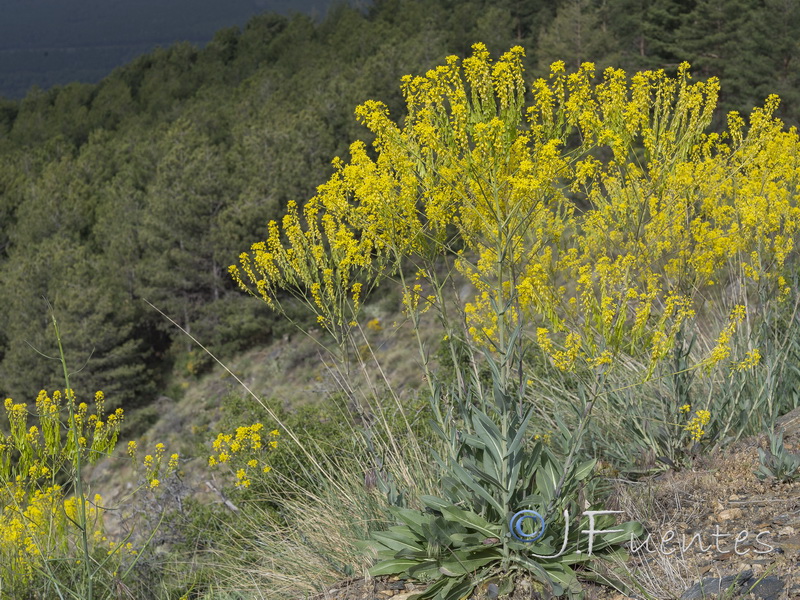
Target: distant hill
pixel 54 42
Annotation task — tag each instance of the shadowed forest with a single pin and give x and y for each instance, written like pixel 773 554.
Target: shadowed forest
pixel 150 183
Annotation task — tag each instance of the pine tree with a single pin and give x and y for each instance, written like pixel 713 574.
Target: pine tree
pixel 180 271
pixel 576 35
pixel 646 31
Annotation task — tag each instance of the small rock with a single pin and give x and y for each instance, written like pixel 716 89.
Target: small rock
pixel 730 514
pixel 789 545
pixel 788 530
pixel 733 497
pixel 715 587
pixel 780 519
pixel 769 588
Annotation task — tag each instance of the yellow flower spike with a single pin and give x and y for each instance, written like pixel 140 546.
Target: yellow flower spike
pixel 751 359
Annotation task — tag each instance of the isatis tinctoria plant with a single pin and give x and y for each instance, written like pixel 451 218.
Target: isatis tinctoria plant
pixel 581 224
pixel 53 540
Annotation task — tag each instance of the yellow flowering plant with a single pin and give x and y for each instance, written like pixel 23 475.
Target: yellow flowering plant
pixel 591 222
pixel 153 468
pixel 243 452
pixel 41 525
pixel 52 533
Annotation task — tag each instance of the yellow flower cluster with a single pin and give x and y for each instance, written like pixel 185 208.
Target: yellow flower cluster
pixel 42 449
pixel 695 425
pixel 723 348
pixel 37 522
pixel 39 526
pixel 563 359
pixel 153 465
pixel 600 213
pixel 751 359
pixel 243 452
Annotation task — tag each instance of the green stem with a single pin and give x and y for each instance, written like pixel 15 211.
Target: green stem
pixel 78 480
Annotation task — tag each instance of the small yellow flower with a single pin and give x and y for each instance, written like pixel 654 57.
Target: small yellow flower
pixel 695 425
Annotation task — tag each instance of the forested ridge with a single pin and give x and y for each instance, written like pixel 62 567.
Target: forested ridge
pixel 150 183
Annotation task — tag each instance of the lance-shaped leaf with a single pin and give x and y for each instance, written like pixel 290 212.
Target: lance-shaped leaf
pixel 461 563
pixel 469 481
pixel 547 478
pixel 397 541
pixel 488 431
pixel 519 437
pixel 630 530
pixel 471 520
pixel 483 475
pixel 414 519
pixel 393 566
pixel 583 470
